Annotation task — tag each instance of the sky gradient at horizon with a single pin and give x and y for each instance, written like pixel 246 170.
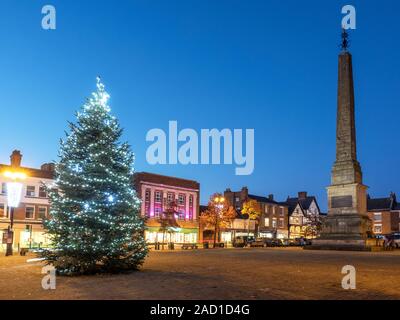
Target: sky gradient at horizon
pixel 267 65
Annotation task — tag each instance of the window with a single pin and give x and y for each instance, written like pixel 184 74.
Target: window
pixel 295 220
pixel 30 212
pixel 281 211
pixel 181 200
pixel 190 216
pixel 42 192
pixel 266 209
pixel 181 214
pixel 273 210
pixel 4 188
pixel 377 228
pixel 378 216
pixel 157 196
pixel 157 211
pixel 266 222
pixel 30 191
pixel 2 210
pixel 237 199
pixel 281 222
pixel 147 202
pixel 42 212
pixel 274 223
pixel 170 197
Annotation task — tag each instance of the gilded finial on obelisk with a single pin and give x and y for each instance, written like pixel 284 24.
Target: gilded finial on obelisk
pixel 345 40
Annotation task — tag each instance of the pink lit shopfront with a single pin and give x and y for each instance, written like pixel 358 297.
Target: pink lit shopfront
pixel 157 192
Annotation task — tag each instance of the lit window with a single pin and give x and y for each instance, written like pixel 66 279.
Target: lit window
pixel 237 199
pixel 158 196
pixel 266 222
pixel 157 211
pixel 295 220
pixel 274 223
pixel 266 209
pixel 378 216
pixel 42 212
pixel 30 191
pixel 30 212
pixel 181 200
pixel 2 210
pixel 378 228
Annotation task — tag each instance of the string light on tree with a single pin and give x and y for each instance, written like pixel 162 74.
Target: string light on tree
pixel 95 222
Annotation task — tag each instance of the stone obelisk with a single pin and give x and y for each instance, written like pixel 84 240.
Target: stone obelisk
pixel 347 225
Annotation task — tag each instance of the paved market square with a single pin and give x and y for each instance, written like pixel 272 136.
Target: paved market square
pixel 246 273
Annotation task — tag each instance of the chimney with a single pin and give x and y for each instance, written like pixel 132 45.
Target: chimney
pixel 16 158
pixel 302 195
pixel 48 167
pixel 244 193
pixel 271 196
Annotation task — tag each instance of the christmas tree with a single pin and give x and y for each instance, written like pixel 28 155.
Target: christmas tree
pixel 95 223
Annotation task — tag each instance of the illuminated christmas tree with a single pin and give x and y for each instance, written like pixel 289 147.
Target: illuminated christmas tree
pixel 95 222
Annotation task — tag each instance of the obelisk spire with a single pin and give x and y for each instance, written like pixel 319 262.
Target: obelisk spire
pixel 347 225
pixel 345 40
pixel 346 168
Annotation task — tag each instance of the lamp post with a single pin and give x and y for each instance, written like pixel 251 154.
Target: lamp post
pixel 14 190
pixel 219 203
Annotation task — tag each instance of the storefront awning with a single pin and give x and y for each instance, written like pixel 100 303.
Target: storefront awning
pixel 177 230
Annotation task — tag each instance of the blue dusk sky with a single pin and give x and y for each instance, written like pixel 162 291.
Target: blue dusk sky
pixel 267 65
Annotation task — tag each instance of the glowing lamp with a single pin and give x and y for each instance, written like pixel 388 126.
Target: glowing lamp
pixel 15 175
pixel 14 190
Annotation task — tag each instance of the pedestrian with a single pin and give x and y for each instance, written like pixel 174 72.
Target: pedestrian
pixel 385 242
pixel 390 243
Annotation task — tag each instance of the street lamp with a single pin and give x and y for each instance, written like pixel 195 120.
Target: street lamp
pixel 219 203
pixel 14 190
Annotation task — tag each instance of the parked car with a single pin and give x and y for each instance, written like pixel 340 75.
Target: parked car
pixel 257 243
pixel 239 242
pixel 249 239
pixel 269 242
pixel 396 239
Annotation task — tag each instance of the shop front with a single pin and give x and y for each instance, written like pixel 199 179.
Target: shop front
pixel 175 235
pixel 25 236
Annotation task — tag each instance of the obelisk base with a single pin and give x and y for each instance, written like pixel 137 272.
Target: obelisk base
pixel 344 232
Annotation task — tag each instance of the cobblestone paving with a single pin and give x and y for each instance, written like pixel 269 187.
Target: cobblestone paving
pixel 250 273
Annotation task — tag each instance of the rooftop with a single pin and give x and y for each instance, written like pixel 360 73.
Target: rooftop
pixel 165 180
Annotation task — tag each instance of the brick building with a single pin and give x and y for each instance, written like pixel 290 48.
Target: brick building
pixel 384 213
pixel 273 222
pixel 34 205
pixel 157 192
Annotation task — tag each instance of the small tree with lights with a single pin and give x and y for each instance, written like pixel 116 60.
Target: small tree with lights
pixel 218 215
pixel 252 209
pixel 95 223
pixel 168 221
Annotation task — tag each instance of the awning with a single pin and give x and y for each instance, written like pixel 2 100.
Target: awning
pixel 180 230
